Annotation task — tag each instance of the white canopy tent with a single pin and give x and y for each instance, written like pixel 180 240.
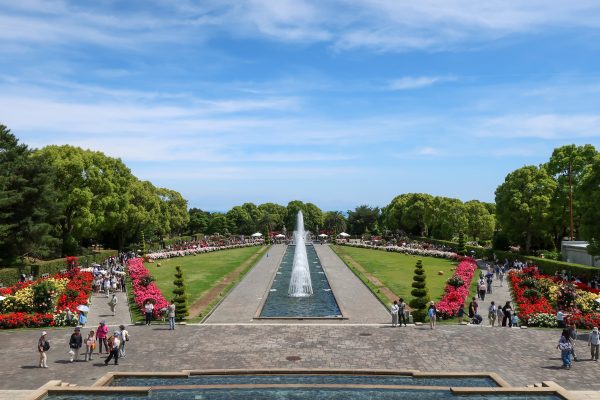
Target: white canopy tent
pixel 257 234
pixel 280 236
pixel 344 234
pixel 322 235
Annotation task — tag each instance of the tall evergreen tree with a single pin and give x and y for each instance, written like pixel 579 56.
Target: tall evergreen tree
pixel 420 293
pixel 26 202
pixel 180 300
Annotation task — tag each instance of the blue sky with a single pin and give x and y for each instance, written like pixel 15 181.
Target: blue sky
pixel 339 103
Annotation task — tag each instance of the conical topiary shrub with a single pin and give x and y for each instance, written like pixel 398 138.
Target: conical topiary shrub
pixel 461 249
pixel 180 300
pixel 421 297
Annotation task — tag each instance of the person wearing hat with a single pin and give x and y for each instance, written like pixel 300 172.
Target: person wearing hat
pixel 101 335
pixel 75 344
pixel 594 343
pixel 43 347
pixel 114 342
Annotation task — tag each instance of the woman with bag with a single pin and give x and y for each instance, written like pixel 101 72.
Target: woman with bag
pixel 90 345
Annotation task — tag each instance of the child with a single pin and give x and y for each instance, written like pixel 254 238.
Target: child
pixel 515 321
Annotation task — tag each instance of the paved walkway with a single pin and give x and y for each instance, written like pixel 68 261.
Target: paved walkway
pixel 356 300
pixel 521 356
pixel 99 310
pixel 500 295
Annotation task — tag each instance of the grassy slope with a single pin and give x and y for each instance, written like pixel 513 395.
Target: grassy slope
pixel 395 270
pixel 201 272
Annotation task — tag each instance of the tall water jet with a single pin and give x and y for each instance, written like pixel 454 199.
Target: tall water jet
pixel 300 283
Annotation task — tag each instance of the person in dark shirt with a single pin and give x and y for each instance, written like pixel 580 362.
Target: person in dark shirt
pixel 75 344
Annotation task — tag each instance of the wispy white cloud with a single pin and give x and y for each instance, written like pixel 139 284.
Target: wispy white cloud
pixel 379 25
pixel 416 82
pixel 542 126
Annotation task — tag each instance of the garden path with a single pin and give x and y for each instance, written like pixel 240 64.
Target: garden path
pixel 99 310
pixel 500 294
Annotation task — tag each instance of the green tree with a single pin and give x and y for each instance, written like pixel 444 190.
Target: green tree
pixel 278 214
pixel 590 199
pixel 180 300
pixel 411 213
pixel 175 216
pixel 27 202
pixel 198 222
pixel 419 293
pixel 334 221
pixel 241 221
pixel 363 219
pixel 523 204
pixel 567 165
pixel 219 223
pixel 481 223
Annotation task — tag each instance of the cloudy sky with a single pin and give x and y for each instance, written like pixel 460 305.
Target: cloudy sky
pixel 335 102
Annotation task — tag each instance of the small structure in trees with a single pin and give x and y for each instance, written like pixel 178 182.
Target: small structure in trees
pixel 421 298
pixel 180 300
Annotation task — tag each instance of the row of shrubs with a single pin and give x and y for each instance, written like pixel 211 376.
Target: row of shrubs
pixel 547 266
pixel 10 276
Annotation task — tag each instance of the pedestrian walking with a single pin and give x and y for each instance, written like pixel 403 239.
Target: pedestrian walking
pixel 114 343
pixel 171 314
pixel 565 346
pixel 507 318
pixel 124 338
pixel 112 303
pixel 69 317
pixel 594 343
pixel 401 312
pixel 149 307
pixel 501 277
pixel 394 311
pixel 482 289
pixel 75 343
pixel 90 345
pixel 82 318
pixel 101 335
pixel 489 283
pixel 573 335
pixel 492 313
pixel 432 312
pixel 43 347
pixel 499 315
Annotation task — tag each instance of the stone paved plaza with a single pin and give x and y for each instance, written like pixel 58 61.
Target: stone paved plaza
pixel 520 356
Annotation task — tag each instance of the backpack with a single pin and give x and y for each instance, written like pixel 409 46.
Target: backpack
pixel 46 345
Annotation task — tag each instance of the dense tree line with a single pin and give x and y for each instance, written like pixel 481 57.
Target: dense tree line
pixel 56 199
pixel 538 206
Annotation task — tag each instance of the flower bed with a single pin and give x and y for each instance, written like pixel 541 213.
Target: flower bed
pixel 160 255
pixel 538 296
pixel 457 288
pixel 143 287
pixel 43 302
pixel 408 250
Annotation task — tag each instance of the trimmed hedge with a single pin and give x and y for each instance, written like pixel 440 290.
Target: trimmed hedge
pixel 546 265
pixel 10 276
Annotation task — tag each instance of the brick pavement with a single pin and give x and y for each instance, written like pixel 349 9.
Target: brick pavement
pixel 521 356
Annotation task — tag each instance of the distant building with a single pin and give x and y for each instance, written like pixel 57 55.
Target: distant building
pixel 576 252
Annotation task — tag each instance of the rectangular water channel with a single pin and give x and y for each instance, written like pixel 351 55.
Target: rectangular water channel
pixel 322 304
pixel 294 379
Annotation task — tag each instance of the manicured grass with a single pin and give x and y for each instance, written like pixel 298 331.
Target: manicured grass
pixel 395 270
pixel 201 272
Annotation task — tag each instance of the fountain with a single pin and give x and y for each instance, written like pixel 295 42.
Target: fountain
pixel 300 283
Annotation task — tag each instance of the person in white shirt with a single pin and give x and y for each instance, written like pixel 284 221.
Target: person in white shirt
pixel 149 308
pixel 394 311
pixel 171 311
pixel 114 342
pixel 124 338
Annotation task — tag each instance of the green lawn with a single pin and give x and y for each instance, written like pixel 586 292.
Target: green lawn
pixel 201 272
pixel 395 270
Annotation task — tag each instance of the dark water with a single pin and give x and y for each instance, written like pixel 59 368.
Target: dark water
pixel 321 304
pixel 306 379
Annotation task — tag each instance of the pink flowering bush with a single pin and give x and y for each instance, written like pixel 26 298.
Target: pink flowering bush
pixel 455 295
pixel 143 288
